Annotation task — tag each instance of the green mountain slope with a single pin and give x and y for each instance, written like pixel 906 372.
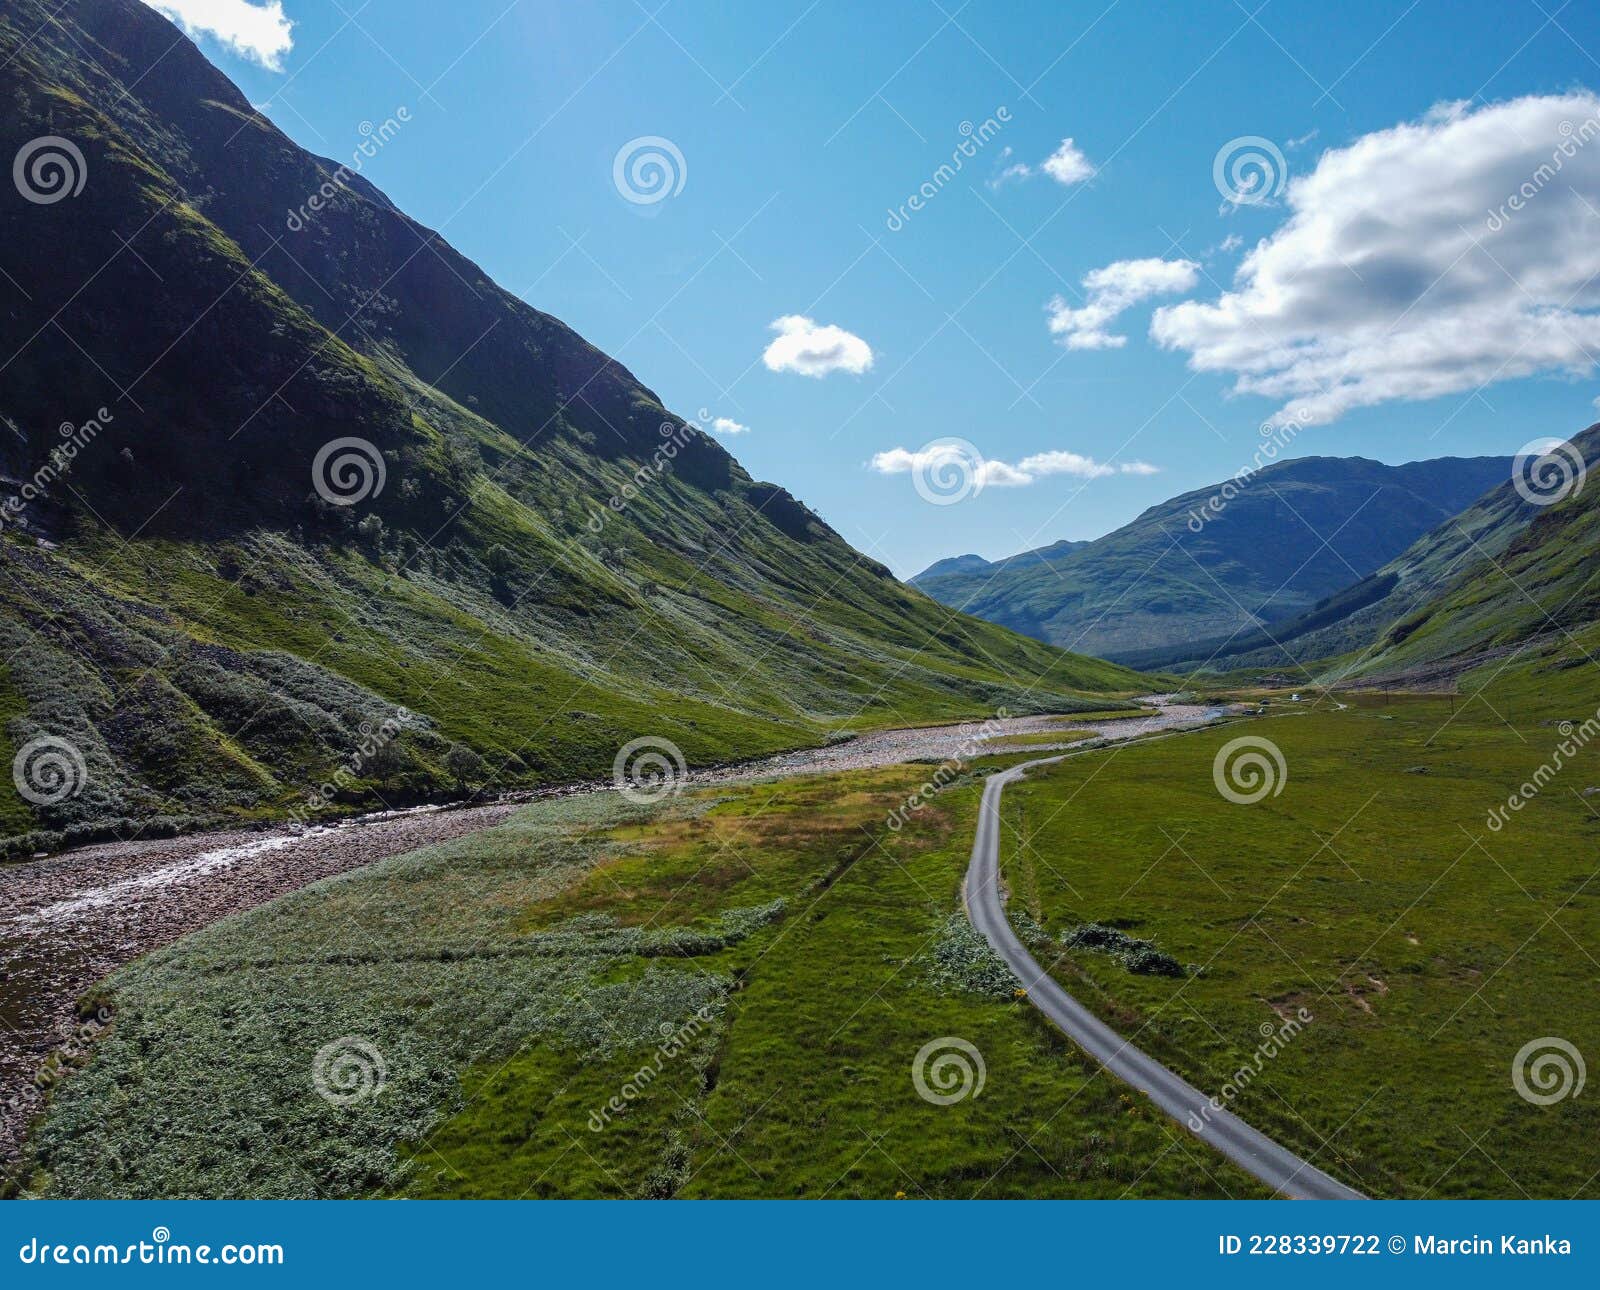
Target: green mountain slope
pixel 1528 587
pixel 1291 534
pixel 1463 562
pixel 553 566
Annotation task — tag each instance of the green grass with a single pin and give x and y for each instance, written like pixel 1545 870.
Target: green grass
pixel 1371 892
pixel 516 980
pixel 521 981
pixel 16 817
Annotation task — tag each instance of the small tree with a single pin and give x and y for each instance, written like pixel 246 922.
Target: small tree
pixel 466 766
pixel 386 761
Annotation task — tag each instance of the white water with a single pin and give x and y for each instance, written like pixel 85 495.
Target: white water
pixel 205 865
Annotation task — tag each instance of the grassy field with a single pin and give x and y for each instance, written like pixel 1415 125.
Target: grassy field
pixel 733 988
pixel 1371 892
pixel 726 994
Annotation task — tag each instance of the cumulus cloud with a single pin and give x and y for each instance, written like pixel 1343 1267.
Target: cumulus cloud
pixel 805 347
pixel 1112 290
pixel 259 32
pixel 989 472
pixel 1067 164
pixel 1435 257
pixel 727 425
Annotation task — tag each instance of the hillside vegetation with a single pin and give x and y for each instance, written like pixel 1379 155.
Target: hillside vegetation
pixel 1509 573
pixel 538 564
pixel 1221 560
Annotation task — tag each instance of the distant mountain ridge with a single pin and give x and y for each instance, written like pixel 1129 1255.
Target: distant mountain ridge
pixel 1199 567
pixel 1510 567
pixel 977 565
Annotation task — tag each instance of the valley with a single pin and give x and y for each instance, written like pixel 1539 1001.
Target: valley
pixel 67 921
pixel 442 769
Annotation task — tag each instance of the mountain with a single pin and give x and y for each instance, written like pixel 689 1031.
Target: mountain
pixel 1221 560
pixel 1508 579
pixel 297 502
pixel 977 566
pixel 1455 593
pixel 955 564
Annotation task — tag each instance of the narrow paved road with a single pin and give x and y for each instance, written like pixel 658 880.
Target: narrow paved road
pixel 1254 1152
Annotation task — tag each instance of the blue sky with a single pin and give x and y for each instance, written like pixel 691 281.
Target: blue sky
pixel 804 128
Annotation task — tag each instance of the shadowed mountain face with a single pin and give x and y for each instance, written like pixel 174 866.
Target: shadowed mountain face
pixel 510 539
pixel 1512 572
pixel 1219 560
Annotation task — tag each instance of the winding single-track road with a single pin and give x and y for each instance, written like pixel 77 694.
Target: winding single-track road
pixel 1276 1166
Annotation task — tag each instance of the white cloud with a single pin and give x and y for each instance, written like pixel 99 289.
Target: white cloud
pixel 1009 169
pixel 992 473
pixel 1067 164
pixel 1111 290
pixel 727 425
pixel 811 350
pixel 1438 256
pixel 259 32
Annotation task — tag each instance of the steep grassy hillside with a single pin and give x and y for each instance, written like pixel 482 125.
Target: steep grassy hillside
pixel 1503 571
pixel 1530 595
pixel 1191 568
pixel 524 550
